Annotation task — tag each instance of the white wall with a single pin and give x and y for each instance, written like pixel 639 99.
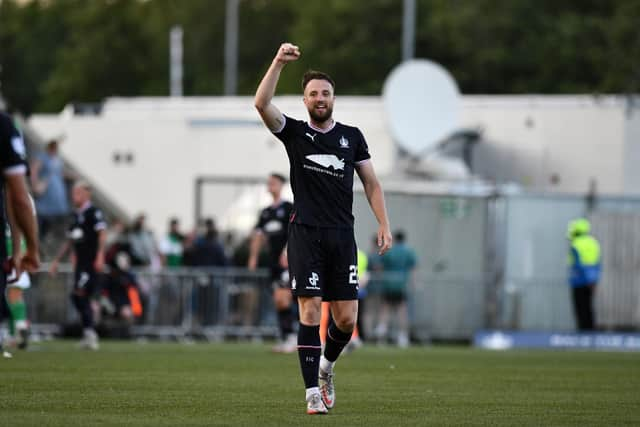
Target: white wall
pixel 575 137
pixel 173 141
pixel 631 155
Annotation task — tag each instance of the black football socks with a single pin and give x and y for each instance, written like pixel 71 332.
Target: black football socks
pixel 336 341
pixel 309 350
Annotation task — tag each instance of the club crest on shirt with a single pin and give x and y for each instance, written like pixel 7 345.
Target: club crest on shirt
pixel 344 142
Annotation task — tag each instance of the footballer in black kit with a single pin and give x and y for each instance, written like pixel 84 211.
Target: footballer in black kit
pixel 12 162
pixel 16 208
pixel 322 251
pixel 273 223
pixel 322 255
pixel 272 228
pixel 86 237
pixel 83 232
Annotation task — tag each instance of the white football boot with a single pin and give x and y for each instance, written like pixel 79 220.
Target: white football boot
pixel 327 391
pixel 315 406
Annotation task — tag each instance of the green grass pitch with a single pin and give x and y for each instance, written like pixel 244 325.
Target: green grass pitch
pixel 131 384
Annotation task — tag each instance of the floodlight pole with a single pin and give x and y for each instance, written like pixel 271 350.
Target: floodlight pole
pixel 408 30
pixel 231 48
pixel 175 61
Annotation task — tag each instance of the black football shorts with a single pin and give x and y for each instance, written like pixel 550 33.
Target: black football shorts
pixel 279 277
pixel 86 282
pixel 323 262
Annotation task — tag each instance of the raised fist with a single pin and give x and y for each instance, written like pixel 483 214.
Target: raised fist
pixel 287 53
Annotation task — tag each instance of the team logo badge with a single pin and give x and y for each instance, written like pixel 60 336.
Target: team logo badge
pixel 344 142
pixel 313 281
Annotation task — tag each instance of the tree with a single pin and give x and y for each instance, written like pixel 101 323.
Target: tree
pixel 358 42
pixel 58 51
pixel 30 37
pixel 106 54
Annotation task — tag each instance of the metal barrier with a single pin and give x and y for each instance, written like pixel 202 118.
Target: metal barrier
pixel 211 303
pixel 219 303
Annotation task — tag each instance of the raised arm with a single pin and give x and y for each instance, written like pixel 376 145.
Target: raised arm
pixel 375 196
pixel 271 116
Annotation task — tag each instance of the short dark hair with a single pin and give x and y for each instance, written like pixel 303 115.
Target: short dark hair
pixel 316 75
pixel 278 176
pixel 399 236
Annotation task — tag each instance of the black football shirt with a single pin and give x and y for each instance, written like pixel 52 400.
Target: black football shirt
pixel 273 222
pixel 12 161
pixel 83 232
pixel 322 163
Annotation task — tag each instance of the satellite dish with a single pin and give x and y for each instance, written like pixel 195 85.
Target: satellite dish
pixel 422 102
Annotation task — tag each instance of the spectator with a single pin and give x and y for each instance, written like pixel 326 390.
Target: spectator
pixel 116 233
pixel 171 246
pixel 207 251
pixel 121 291
pixel 397 265
pixel 117 241
pixel 584 273
pixel 142 243
pixel 48 183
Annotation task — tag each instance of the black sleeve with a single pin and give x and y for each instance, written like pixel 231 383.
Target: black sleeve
pixel 12 149
pixel 288 130
pixel 362 149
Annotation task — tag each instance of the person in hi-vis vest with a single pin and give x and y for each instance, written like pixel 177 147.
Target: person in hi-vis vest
pixel 584 271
